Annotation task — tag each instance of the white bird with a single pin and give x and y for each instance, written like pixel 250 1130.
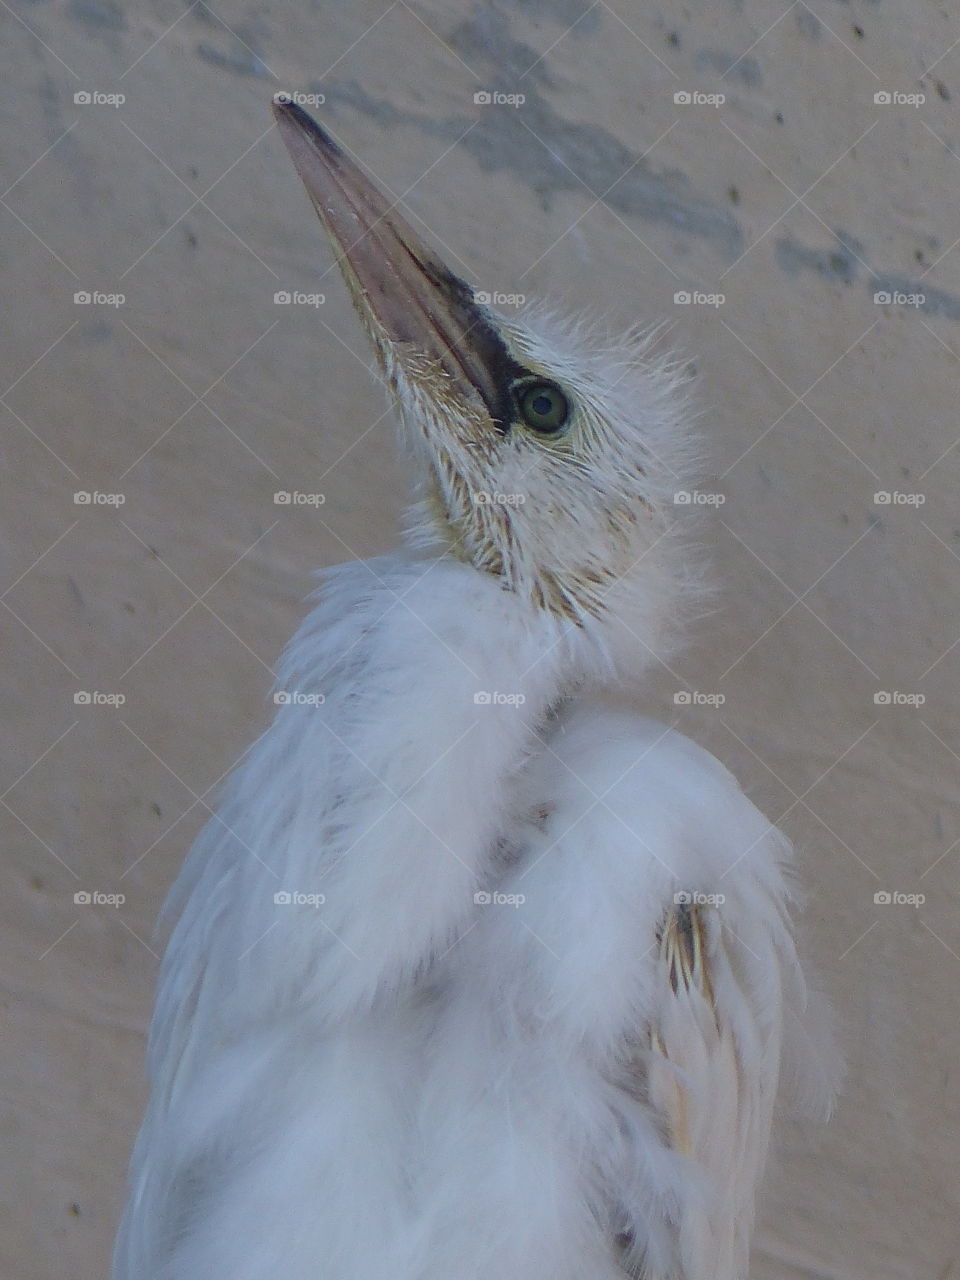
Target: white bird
pixel 475 973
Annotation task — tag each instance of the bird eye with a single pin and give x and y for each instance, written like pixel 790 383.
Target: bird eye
pixel 543 407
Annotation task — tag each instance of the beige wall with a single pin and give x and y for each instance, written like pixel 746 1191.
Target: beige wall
pixel 196 399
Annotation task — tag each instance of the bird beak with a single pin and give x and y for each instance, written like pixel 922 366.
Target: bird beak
pixel 411 303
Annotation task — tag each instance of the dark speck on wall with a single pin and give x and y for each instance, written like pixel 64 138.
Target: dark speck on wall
pixel 942 90
pixel 778 116
pixel 734 194
pixel 673 39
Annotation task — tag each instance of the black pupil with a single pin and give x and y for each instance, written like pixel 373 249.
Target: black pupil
pixel 542 406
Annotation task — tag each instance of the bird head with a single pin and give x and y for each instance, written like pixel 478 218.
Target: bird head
pixel 545 456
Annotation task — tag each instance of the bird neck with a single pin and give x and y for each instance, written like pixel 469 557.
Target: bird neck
pixel 390 790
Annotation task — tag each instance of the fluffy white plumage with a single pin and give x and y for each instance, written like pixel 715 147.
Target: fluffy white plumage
pixel 498 1047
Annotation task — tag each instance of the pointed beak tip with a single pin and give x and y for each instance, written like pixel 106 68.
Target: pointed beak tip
pixel 302 135
pixel 398 283
pixel 289 116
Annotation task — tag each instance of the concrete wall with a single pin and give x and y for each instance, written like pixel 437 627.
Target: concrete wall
pixel 798 199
